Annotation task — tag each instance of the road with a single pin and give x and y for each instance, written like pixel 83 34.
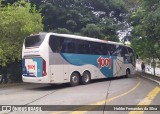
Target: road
pixel 122 91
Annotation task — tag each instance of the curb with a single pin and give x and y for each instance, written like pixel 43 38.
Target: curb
pixel 150 79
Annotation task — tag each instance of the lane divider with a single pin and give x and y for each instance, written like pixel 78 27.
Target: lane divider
pixel 147 100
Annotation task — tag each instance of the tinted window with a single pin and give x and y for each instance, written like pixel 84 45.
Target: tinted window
pixel 104 49
pixel 68 46
pixel 96 48
pixel 116 50
pixel 124 51
pixel 34 41
pixel 131 55
pixel 130 51
pixel 55 43
pixel 83 47
pixel 62 44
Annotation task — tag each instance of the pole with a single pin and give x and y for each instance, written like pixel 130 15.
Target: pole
pixel 154 67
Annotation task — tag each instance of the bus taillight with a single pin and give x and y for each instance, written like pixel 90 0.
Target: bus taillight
pixel 44 68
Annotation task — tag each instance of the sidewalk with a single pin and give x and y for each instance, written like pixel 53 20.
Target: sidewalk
pixel 148 69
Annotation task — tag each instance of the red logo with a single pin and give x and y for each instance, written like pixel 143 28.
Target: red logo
pixel 104 62
pixel 31 67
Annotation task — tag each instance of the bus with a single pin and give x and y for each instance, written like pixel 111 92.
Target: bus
pixel 54 58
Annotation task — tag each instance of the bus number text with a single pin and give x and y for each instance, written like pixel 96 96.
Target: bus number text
pixel 32 67
pixel 104 62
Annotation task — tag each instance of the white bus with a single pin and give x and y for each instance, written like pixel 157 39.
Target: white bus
pixel 61 58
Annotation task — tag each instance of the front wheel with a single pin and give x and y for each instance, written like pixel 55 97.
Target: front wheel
pixel 86 78
pixel 127 73
pixel 74 79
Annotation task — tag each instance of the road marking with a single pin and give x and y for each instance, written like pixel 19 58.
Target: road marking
pixel 147 100
pixel 88 108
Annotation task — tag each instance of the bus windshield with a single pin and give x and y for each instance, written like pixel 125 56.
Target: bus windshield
pixel 34 41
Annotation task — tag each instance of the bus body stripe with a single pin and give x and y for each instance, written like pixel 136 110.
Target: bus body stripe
pixel 83 59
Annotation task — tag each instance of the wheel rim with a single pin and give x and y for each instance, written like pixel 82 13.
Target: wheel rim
pixel 86 77
pixel 74 79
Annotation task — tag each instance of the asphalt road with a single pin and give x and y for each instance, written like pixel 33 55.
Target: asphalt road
pixel 134 90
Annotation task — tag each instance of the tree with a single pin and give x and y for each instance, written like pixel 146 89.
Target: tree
pixel 62 31
pixel 145 35
pixel 5 2
pixel 91 30
pixel 76 15
pixel 146 28
pixel 17 21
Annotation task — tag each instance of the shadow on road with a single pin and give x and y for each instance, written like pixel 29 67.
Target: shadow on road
pixel 48 87
pixel 110 79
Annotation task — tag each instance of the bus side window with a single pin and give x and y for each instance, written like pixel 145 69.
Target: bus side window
pixel 107 49
pixel 68 46
pixel 112 49
pixel 103 49
pixel 96 48
pixel 131 55
pixel 63 50
pixel 79 50
pixel 118 51
pixel 83 47
pixel 71 47
pixel 55 43
pixel 125 55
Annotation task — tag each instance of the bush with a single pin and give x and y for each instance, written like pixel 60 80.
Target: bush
pixel 15 71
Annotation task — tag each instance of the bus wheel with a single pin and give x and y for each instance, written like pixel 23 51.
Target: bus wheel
pixel 74 79
pixel 86 78
pixel 127 73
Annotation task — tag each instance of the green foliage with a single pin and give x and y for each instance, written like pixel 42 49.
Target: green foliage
pixel 62 31
pixel 76 16
pixel 6 2
pixel 146 22
pixel 14 70
pixel 91 30
pixel 100 32
pixel 71 24
pixel 17 21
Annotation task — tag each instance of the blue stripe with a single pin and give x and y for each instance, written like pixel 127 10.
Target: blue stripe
pixel 84 59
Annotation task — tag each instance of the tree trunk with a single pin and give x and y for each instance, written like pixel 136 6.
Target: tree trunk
pixel 154 67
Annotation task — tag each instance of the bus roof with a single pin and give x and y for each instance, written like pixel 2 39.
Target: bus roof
pixel 84 38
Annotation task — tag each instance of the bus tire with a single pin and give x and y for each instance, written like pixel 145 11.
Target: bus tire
pixel 86 78
pixel 74 79
pixel 127 73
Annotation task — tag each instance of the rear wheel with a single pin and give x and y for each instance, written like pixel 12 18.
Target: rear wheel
pixel 74 79
pixel 86 78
